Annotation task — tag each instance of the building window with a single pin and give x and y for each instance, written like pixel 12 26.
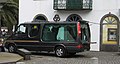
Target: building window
pixel 73 17
pixel 109 20
pixel 62 4
pixel 40 17
pixel 72 4
pixel 87 4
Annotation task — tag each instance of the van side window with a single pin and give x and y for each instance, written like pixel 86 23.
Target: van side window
pixel 21 29
pixel 48 35
pixel 33 31
pixel 66 33
pixel 59 32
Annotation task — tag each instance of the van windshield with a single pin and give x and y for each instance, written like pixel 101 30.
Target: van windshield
pixel 59 32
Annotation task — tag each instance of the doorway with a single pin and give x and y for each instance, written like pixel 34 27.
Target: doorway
pixel 109 33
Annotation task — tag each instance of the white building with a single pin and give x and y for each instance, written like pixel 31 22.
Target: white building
pixel 103 16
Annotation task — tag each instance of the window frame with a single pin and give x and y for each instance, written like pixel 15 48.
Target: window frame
pixel 109 34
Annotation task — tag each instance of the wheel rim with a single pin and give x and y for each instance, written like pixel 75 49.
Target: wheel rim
pixel 59 52
pixel 11 49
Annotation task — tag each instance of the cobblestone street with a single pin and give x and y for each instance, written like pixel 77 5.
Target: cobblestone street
pixel 80 58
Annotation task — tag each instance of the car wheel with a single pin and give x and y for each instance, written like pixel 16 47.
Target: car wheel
pixel 60 51
pixel 12 48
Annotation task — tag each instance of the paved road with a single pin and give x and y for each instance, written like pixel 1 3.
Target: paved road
pixel 80 58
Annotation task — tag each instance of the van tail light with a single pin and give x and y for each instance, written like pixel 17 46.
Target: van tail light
pixel 78 28
pixel 79 46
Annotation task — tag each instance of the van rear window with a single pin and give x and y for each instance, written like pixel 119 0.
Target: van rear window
pixel 85 33
pixel 59 32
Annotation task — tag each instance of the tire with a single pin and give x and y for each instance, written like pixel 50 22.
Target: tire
pixel 12 48
pixel 60 52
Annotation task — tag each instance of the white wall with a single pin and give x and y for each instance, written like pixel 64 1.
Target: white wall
pixel 29 9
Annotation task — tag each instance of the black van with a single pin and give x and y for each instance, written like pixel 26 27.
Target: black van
pixel 61 37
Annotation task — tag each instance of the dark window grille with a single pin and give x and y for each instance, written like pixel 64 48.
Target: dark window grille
pixel 72 4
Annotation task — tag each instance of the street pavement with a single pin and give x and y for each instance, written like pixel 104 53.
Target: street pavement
pixel 80 58
pixel 9 58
